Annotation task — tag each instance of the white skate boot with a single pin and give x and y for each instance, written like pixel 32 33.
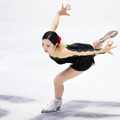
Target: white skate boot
pixel 53 106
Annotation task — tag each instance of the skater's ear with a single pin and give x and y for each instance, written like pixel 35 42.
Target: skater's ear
pixel 56 45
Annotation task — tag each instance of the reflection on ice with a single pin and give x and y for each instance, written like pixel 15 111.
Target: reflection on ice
pixel 3 113
pixel 82 109
pixel 15 99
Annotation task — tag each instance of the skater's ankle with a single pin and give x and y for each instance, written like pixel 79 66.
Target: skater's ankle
pixel 58 98
pixel 101 40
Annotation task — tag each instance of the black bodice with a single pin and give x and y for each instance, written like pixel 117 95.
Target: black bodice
pixel 77 62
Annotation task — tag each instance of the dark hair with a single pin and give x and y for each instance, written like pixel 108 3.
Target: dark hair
pixel 52 36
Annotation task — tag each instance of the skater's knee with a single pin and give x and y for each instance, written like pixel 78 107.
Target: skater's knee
pixel 58 80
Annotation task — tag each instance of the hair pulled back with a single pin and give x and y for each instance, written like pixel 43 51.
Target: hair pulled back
pixel 52 36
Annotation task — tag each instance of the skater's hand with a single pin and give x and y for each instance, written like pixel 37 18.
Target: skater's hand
pixel 64 10
pixel 108 47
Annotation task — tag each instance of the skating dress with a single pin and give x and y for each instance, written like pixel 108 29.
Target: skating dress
pixel 79 63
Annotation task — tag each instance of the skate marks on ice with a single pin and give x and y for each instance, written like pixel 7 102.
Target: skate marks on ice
pixel 15 99
pixel 83 109
pixel 12 99
pixel 3 113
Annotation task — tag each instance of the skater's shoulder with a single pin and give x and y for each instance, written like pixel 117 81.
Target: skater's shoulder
pixel 59 50
pixel 62 45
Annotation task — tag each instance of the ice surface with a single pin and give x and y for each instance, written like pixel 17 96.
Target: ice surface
pixel 27 73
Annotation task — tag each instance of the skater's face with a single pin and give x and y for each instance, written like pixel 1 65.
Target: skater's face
pixel 47 45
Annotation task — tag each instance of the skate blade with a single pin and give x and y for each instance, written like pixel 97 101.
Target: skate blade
pixel 58 109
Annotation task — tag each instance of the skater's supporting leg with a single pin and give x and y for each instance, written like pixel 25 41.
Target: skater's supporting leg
pixel 61 78
pixel 59 88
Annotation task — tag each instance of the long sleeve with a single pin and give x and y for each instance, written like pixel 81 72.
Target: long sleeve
pixel 68 53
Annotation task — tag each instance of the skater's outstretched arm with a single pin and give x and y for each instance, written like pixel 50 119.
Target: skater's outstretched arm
pixel 62 11
pixel 68 53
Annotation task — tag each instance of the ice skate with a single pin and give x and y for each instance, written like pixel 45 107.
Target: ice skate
pixel 53 106
pixel 110 34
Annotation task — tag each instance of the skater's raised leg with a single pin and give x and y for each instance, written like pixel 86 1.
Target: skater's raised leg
pixel 97 44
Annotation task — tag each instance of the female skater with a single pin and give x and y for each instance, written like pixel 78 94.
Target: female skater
pixel 81 56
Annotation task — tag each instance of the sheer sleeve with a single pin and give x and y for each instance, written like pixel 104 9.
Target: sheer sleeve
pixel 68 53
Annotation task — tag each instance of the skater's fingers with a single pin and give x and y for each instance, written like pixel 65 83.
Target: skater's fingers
pixel 113 47
pixel 66 6
pixel 62 6
pixel 108 42
pixel 111 43
pixel 68 14
pixel 111 53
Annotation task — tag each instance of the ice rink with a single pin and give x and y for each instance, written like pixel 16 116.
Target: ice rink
pixel 27 72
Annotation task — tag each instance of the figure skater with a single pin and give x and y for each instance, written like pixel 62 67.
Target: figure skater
pixel 81 56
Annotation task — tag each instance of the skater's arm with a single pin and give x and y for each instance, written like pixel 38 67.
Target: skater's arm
pixel 61 12
pixel 68 53
pixel 55 22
